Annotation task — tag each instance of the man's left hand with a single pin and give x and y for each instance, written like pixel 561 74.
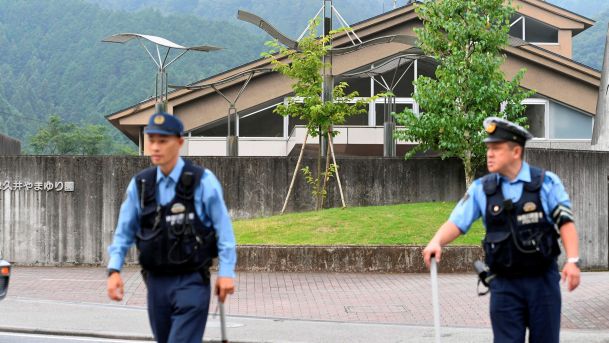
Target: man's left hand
pixel 224 287
pixel 570 273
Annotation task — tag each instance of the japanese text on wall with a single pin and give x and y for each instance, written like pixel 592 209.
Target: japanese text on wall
pixel 40 186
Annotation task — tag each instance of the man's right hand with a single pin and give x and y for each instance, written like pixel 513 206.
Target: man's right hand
pixel 447 233
pixel 432 249
pixel 115 287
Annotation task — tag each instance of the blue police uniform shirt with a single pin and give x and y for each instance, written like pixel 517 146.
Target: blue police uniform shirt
pixel 473 204
pixel 209 206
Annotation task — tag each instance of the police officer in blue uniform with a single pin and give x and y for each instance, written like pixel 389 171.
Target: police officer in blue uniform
pixel 175 213
pixel 524 210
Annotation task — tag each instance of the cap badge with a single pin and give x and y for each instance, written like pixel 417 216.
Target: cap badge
pixel 178 208
pixel 529 207
pixel 159 119
pixel 490 128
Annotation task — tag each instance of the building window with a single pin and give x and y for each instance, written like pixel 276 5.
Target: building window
pixel 551 120
pixel 359 84
pixel 517 27
pixel 218 128
pixel 293 122
pixel 401 80
pixel 568 123
pixel 380 110
pixel 365 86
pixel 261 123
pixel 533 31
pixel 427 67
pixel 536 112
pixel 358 119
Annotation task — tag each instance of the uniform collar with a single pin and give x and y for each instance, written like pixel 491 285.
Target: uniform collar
pixel 175 173
pixel 524 175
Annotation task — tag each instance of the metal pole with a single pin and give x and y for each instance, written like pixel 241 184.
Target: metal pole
pixel 141 141
pixel 222 322
pixel 232 141
pixel 389 128
pixel 159 107
pixel 435 298
pixel 328 82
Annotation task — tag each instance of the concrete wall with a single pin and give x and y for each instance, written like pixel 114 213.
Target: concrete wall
pixel 9 146
pixel 586 179
pixel 51 227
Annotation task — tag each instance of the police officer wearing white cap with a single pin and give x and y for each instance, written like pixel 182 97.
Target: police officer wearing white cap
pixel 525 210
pixel 175 213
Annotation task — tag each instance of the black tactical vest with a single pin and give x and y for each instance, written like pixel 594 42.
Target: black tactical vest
pixel 519 241
pixel 172 239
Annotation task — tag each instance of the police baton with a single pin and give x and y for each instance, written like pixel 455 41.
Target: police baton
pixel 434 297
pixel 222 321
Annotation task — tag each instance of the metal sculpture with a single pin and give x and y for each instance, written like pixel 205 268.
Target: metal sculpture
pixel 160 62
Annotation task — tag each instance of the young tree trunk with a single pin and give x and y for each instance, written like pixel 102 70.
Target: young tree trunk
pixel 468 168
pixel 285 203
pixel 340 188
pixel 318 181
pixel 326 176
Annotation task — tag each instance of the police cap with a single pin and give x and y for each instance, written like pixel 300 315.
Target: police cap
pixel 501 130
pixel 162 123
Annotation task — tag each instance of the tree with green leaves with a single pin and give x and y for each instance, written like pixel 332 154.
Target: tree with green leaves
pixel 59 138
pixel 466 38
pixel 306 67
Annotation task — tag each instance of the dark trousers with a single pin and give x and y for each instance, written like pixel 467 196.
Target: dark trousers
pixel 526 302
pixel 178 307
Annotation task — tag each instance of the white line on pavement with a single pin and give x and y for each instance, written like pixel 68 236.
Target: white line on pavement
pixel 73 338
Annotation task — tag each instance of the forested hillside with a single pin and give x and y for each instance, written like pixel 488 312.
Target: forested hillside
pixel 587 8
pixel 588 46
pixel 53 60
pixel 290 16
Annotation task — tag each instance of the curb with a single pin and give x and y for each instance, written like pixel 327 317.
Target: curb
pixel 352 258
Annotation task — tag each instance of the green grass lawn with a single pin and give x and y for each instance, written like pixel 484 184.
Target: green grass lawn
pixel 406 224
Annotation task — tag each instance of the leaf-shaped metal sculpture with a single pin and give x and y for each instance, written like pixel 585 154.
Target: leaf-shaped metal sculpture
pixel 268 28
pixel 401 39
pixel 125 37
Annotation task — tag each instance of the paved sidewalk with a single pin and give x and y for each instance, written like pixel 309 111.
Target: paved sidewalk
pixel 306 307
